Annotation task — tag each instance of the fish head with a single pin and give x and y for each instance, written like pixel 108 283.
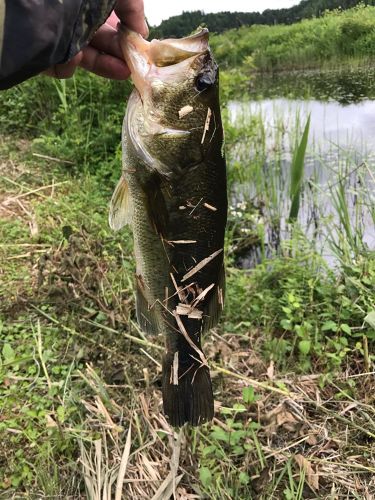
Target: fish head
pixel 177 111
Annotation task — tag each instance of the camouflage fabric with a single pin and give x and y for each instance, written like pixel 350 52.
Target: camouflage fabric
pixel 36 34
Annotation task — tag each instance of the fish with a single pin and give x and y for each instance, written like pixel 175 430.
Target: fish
pixel 173 195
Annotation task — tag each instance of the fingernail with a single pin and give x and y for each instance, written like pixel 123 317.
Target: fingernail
pixel 145 30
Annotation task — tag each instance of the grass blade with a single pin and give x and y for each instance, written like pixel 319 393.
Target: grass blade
pixel 297 172
pixel 123 465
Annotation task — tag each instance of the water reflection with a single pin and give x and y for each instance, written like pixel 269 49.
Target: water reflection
pixel 331 123
pixel 341 154
pixel 343 86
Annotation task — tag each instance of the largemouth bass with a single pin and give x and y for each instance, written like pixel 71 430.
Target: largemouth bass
pixel 173 194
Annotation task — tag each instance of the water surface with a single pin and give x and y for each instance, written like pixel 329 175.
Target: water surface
pixel 340 155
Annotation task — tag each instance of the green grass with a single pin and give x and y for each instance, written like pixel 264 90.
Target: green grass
pixel 339 37
pixel 297 172
pixel 290 360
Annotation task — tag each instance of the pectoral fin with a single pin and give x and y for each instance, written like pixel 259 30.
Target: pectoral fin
pixel 121 207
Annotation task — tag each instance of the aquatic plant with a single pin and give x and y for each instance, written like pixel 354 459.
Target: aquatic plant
pixel 297 169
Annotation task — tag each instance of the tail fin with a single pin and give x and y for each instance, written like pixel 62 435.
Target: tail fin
pixel 187 391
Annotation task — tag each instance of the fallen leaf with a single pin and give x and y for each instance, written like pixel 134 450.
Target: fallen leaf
pixel 280 417
pixel 312 440
pixel 50 421
pixel 312 477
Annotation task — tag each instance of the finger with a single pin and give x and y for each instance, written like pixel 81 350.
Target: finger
pixel 65 70
pixel 113 20
pixel 131 13
pixel 104 64
pixel 106 40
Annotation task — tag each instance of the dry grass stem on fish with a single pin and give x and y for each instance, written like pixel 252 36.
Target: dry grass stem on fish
pixel 189 311
pixel 174 373
pixel 202 295
pixel 181 242
pixel 188 339
pixel 206 124
pixel 179 290
pixel 200 265
pixel 210 207
pixel 185 111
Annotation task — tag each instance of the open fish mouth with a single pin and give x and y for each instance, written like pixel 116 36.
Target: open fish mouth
pixel 168 61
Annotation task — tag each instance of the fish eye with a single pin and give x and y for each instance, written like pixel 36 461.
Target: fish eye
pixel 203 82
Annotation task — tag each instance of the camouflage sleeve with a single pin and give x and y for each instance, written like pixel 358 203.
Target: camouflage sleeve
pixel 36 34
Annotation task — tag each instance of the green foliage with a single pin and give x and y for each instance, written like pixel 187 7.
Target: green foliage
pixel 185 23
pixel 304 310
pixel 248 395
pixel 232 445
pixel 77 120
pixel 31 426
pixel 41 406
pixel 307 44
pixel 233 83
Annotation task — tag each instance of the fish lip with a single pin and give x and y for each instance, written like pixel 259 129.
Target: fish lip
pixel 198 34
pixel 195 43
pixel 181 49
pixel 168 60
pixel 201 36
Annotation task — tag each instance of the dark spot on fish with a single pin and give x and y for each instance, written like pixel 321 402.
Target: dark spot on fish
pixel 207 78
pixel 203 82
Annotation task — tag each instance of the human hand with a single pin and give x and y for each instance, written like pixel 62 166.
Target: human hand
pixel 103 55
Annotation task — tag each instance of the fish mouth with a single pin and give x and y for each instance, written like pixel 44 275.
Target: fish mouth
pixel 167 60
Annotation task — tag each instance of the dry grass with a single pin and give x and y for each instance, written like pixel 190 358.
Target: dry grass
pixel 329 440
pixel 327 435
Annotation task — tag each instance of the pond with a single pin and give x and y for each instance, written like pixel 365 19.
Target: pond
pixel 337 210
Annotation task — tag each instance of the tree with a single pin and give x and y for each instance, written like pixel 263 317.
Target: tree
pixel 184 24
